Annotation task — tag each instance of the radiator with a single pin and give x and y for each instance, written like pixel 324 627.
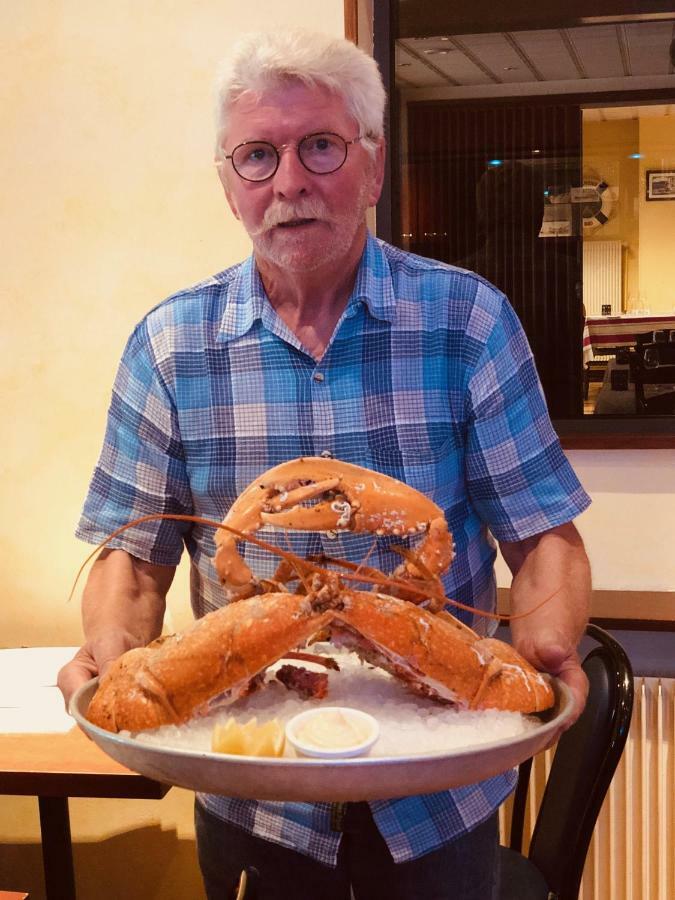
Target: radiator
pixel 603 276
pixel 632 853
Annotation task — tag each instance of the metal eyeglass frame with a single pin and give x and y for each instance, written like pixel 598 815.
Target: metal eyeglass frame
pixel 295 144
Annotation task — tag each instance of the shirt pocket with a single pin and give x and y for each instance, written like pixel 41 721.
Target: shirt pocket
pixel 425 456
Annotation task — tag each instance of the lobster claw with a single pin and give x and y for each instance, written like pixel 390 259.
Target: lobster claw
pixel 348 498
pixel 330 515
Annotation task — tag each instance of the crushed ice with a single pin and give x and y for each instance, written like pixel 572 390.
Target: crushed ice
pixel 409 725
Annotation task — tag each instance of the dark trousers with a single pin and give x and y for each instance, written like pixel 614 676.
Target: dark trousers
pixel 465 869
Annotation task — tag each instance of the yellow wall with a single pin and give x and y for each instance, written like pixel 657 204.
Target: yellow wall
pixel 657 217
pixel 607 147
pixel 110 202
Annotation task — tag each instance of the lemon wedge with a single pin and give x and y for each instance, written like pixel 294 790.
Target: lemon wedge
pixel 249 738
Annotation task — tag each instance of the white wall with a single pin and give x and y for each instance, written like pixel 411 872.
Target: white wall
pixel 629 530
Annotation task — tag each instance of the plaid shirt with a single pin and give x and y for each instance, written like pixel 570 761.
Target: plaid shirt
pixel 428 377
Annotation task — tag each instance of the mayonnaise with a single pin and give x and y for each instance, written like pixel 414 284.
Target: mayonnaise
pixel 332 729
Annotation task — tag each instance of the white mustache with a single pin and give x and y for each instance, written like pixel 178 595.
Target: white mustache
pixel 283 211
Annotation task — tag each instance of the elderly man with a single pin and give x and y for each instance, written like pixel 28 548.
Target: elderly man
pixel 327 341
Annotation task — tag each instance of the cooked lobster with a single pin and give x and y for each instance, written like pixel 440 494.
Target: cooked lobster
pixel 220 657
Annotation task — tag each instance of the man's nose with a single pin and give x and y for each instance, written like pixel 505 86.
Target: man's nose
pixel 291 178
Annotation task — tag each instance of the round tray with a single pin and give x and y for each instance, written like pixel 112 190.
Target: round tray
pixel 321 780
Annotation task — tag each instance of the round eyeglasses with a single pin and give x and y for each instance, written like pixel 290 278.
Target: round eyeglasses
pixel 320 153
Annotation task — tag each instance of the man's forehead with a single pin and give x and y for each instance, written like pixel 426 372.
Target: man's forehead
pixel 290 102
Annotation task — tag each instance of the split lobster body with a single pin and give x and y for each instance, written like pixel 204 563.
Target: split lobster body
pixel 220 657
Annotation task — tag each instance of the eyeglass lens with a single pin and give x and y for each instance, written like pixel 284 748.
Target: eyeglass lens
pixel 319 153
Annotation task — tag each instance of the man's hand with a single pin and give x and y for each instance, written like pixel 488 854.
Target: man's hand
pixel 551 567
pixel 92 659
pixel 550 651
pixel 122 607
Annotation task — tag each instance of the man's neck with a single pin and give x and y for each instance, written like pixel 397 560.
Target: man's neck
pixel 311 303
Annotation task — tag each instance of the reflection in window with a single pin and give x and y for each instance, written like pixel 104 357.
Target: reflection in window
pixel 567 206
pixel 485 183
pixel 629 266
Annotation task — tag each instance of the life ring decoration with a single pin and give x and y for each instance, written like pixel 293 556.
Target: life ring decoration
pixel 595 212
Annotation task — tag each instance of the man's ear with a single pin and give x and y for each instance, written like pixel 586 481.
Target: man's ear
pixel 378 172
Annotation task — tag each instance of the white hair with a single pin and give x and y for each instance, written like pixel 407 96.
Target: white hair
pixel 266 60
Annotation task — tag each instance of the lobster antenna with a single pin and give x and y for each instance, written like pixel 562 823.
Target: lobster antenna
pixel 295 563
pixel 366 557
pixel 198 520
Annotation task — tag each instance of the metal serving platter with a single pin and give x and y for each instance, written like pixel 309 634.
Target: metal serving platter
pixel 316 780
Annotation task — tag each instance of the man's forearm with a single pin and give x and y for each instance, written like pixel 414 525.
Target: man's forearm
pixel 125 594
pixel 551 567
pixel 122 607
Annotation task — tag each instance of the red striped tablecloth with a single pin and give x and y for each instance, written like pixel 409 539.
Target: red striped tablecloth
pixel 620 331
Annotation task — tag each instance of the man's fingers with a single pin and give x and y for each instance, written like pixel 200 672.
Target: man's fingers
pixel 74 674
pixel 575 679
pixel 548 651
pixel 90 660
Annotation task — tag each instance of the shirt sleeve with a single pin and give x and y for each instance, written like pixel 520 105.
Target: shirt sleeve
pixel 141 470
pixel 518 477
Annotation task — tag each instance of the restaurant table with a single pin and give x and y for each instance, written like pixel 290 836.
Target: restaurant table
pixel 54 767
pixel 57 762
pixel 603 333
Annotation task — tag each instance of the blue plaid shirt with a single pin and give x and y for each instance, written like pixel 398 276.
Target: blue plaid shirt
pixel 428 377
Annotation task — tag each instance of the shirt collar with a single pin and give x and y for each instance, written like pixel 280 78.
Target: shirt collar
pixel 374 285
pixel 248 303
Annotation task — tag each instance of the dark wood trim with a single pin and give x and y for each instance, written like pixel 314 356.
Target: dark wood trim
pixel 628 610
pixel 640 97
pixel 351 18
pixel 427 18
pixel 616 433
pixel 384 26
pixel 609 440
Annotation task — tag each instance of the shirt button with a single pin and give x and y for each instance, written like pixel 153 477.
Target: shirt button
pixel 318 376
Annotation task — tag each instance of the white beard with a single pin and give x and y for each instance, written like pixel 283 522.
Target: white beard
pixel 293 252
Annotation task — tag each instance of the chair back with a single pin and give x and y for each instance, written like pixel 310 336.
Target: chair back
pixel 583 766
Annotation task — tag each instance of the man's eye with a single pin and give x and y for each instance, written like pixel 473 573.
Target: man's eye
pixel 259 154
pixel 319 144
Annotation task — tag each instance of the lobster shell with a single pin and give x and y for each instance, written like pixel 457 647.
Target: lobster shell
pixel 175 677
pixel 438 656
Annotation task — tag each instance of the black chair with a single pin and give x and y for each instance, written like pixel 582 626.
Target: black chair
pixel 654 363
pixel 585 760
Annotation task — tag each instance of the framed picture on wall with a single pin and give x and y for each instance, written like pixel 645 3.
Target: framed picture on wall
pixel 660 185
